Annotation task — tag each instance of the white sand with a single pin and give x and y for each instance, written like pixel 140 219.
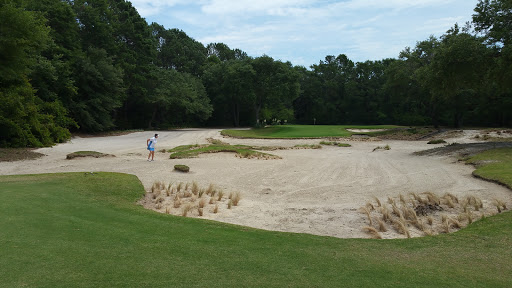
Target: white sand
pixel 308 191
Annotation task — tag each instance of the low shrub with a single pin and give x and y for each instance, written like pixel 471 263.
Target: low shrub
pixel 182 168
pixel 94 154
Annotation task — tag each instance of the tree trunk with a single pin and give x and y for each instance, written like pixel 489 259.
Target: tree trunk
pixel 153 116
pixel 236 114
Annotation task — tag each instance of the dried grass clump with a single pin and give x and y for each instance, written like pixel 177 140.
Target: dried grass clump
pixel 369 206
pixel 386 216
pixel 500 205
pixel 188 197
pixel 367 212
pixel 202 203
pixel 373 232
pixel 210 189
pixel 420 213
pixel 378 201
pixel 185 210
pixel 401 227
pixel 382 226
pixel 236 198
pixel 177 202
pixel 195 188
pixel 219 195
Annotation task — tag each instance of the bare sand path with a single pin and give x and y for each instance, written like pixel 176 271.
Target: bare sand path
pixel 308 191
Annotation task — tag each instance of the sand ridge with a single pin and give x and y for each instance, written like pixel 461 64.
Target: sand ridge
pixel 316 191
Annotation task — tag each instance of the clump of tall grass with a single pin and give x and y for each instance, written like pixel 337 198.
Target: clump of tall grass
pixel 500 205
pixel 219 195
pixel 377 201
pixel 373 232
pixel 236 198
pixel 185 209
pixel 382 225
pixel 195 188
pixel 177 202
pixel 367 212
pixel 421 213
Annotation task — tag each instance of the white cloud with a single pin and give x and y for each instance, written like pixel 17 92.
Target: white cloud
pixel 224 7
pixel 152 7
pixel 307 30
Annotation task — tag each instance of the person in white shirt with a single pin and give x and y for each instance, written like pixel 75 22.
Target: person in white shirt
pixel 150 143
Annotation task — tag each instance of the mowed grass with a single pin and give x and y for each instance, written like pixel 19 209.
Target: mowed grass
pixel 300 131
pixel 85 230
pixel 495 165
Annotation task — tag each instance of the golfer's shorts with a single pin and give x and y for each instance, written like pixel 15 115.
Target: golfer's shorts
pixel 151 149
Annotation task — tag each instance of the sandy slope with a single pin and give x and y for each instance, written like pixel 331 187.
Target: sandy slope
pixel 308 191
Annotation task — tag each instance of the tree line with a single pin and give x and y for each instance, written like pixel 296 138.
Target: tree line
pixel 97 65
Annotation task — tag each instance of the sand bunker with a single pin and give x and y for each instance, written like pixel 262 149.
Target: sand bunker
pixel 316 191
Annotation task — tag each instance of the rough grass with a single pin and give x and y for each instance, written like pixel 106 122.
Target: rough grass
pixel 83 231
pixel 300 131
pixel 18 154
pixel 242 151
pixel 334 143
pixel 93 154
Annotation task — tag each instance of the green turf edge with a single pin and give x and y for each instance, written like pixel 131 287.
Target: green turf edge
pixel 494 165
pixel 82 230
pixel 300 131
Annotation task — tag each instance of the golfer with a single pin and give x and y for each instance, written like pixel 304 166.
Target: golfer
pixel 150 143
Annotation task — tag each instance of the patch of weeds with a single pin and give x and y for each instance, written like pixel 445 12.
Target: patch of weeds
pixel 437 141
pixel 307 146
pixel 18 154
pixel 387 147
pixel 182 168
pixel 94 154
pixel 242 151
pixel 334 143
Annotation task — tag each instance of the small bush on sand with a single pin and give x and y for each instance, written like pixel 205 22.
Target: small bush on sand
pixel 373 232
pixel 387 147
pixel 181 168
pixel 329 143
pixel 94 154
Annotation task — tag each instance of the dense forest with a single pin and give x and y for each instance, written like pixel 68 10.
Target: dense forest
pixel 97 65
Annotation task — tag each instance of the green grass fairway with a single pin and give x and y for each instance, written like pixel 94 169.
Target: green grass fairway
pixel 300 131
pixel 495 165
pixel 84 230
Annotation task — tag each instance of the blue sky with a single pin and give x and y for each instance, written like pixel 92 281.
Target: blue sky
pixel 305 31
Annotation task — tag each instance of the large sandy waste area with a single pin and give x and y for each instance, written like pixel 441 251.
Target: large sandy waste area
pixel 307 191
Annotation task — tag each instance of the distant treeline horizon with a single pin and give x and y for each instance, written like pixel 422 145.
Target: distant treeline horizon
pixel 97 65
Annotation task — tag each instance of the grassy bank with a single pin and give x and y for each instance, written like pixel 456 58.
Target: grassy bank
pixel 84 230
pixel 494 165
pixel 300 131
